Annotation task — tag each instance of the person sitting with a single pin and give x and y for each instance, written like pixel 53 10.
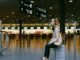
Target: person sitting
pixel 55 41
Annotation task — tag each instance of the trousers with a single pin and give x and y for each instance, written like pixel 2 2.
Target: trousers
pixel 47 49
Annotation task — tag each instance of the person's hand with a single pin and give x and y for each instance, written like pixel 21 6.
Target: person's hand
pixel 51 42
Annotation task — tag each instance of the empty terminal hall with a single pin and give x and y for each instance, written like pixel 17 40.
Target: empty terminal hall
pixel 39 30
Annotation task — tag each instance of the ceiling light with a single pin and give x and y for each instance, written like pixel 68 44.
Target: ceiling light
pixel 70 1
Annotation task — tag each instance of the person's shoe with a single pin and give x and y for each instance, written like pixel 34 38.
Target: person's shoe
pixel 43 58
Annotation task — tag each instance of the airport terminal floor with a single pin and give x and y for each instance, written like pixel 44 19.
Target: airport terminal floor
pixel 33 49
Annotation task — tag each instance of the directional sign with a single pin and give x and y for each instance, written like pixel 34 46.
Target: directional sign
pixel 26 7
pixel 40 12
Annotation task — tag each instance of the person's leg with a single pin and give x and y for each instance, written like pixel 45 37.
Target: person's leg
pixel 47 50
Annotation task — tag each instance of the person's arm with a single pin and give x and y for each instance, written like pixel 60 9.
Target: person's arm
pixel 53 39
pixel 57 35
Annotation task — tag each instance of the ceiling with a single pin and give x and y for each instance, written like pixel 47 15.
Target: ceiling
pixel 72 9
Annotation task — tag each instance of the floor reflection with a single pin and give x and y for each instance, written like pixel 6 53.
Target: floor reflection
pixel 34 47
pixel 38 43
pixel 70 43
pixel 28 43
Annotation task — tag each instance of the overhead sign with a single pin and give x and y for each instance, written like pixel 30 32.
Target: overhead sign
pixel 40 12
pixel 26 7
